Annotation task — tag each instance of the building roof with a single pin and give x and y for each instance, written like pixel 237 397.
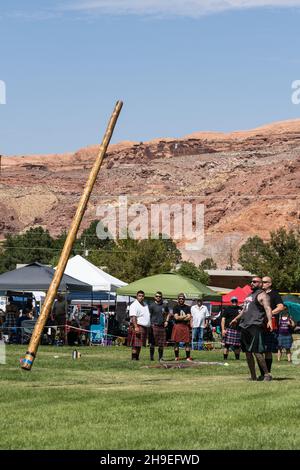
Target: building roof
pixel 228 272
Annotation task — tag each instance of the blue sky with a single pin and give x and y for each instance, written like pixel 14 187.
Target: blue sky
pixel 179 66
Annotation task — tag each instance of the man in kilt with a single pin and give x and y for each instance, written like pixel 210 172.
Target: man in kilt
pixel 182 330
pixel 270 338
pixel 231 335
pixel 159 317
pixel 139 322
pixel 252 317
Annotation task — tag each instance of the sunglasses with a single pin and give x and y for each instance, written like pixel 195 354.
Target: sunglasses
pixel 255 282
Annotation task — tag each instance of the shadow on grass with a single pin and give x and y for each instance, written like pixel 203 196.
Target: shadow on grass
pixel 280 379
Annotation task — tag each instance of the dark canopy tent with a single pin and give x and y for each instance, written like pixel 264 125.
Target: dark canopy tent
pixel 37 277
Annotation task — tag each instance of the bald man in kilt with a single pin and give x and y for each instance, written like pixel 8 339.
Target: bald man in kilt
pixel 182 330
pixel 139 322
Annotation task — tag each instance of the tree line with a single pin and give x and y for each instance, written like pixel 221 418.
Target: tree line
pixel 130 259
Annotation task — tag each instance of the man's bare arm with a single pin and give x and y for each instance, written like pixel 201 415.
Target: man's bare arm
pixel 223 326
pixel 279 308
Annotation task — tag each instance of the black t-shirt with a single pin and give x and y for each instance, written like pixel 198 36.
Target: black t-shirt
pixel 181 310
pixel 275 299
pixel 158 313
pixel 229 313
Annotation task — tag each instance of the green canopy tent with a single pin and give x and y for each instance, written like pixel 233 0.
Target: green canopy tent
pixel 171 284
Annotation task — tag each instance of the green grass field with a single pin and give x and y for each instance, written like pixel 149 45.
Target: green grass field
pixel 105 401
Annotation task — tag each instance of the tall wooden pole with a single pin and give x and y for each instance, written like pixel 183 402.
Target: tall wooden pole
pixel 27 362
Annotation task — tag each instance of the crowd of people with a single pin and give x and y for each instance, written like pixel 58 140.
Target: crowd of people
pixel 259 327
pixel 61 327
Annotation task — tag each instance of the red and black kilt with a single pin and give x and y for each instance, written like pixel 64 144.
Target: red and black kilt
pixel 232 337
pixel 137 340
pixel 157 336
pixel 181 333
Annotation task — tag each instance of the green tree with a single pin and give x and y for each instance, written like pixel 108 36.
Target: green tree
pixel 58 244
pixel 131 259
pixel 189 269
pixel 208 263
pixel 278 258
pixel 254 256
pixel 89 238
pixel 35 244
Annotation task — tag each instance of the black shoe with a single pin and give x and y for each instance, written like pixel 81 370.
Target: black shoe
pixel 260 378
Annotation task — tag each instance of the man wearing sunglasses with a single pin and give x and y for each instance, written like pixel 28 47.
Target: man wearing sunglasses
pixel 181 329
pixel 159 318
pixel 139 323
pixel 252 317
pixel 271 337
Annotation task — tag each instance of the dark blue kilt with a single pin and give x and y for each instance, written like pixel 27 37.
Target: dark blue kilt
pixel 285 341
pixel 270 339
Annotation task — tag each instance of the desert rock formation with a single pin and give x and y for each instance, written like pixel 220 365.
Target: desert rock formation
pixel 248 181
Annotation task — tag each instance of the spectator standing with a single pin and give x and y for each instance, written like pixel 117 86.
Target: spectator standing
pixel 59 313
pixel 159 318
pixel 200 316
pixel 181 328
pixel 11 317
pixel 231 335
pixel 270 338
pixel 285 338
pixel 139 322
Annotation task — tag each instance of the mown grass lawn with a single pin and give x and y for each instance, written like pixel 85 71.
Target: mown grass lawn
pixel 105 401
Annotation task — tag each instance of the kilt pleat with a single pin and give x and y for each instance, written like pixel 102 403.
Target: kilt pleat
pixel 158 336
pixel 232 337
pixel 270 339
pixel 285 341
pixel 181 333
pixel 137 340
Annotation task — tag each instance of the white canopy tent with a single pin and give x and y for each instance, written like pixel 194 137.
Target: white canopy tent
pixel 85 271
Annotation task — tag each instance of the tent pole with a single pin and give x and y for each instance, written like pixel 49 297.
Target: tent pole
pixel 30 355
